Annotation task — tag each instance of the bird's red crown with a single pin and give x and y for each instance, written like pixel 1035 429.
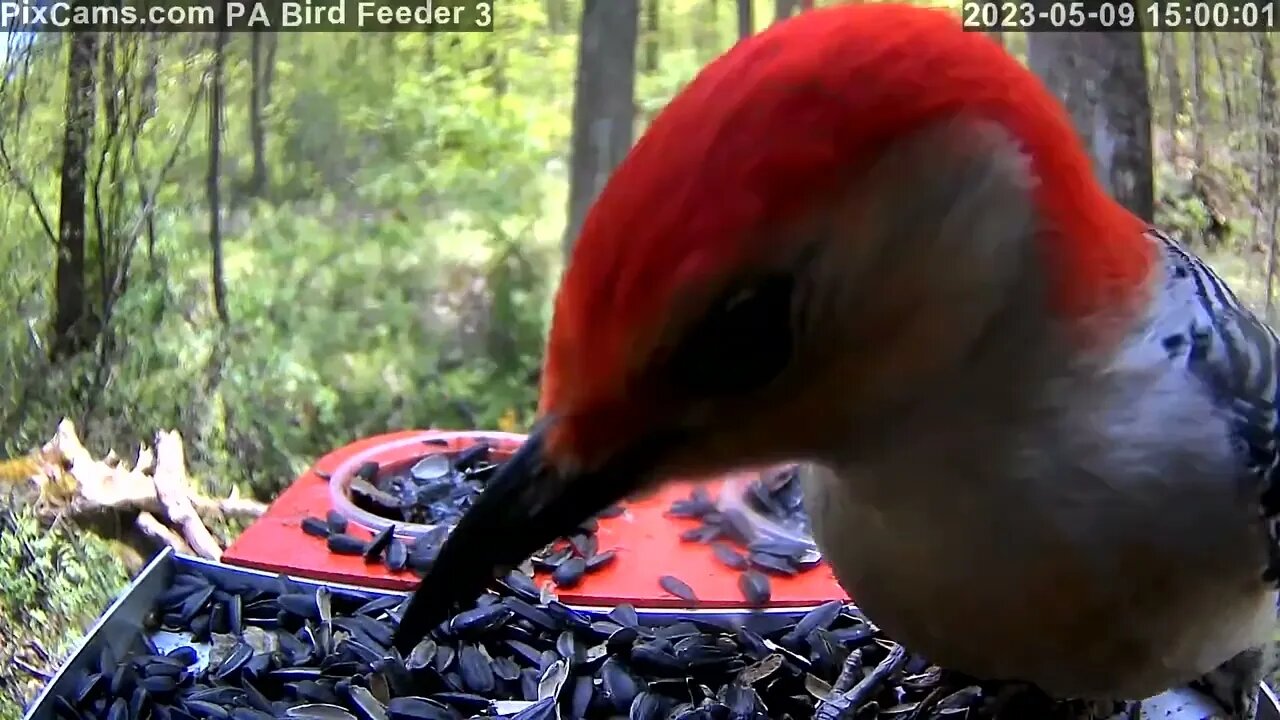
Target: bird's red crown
pixel 766 132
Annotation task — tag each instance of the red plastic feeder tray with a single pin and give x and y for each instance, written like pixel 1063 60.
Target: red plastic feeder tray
pixel 646 539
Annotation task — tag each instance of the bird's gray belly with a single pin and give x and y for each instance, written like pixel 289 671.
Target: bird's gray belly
pixel 999 592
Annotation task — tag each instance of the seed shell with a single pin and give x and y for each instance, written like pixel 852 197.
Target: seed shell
pixel 315 527
pixel 341 544
pixel 569 573
pixel 379 544
pixel 677 587
pixel 755 588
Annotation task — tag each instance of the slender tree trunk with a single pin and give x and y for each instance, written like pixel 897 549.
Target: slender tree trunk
pixel 603 103
pixel 1198 100
pixel 495 59
pixel 1270 154
pixel 746 23
pixel 706 30
pixel 269 68
pixel 257 106
pixel 783 9
pixel 1168 52
pixel 652 45
pixel 557 16
pixel 150 77
pixel 149 107
pixel 1101 77
pixel 1228 105
pixel 70 334
pixel 213 184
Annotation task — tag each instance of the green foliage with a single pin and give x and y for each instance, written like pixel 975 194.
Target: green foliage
pixel 55 586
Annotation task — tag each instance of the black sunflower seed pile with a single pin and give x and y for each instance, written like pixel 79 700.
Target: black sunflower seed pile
pixel 734 541
pixel 437 490
pixel 285 651
pixel 779 497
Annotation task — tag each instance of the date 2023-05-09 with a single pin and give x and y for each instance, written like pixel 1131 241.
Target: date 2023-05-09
pixel 1121 15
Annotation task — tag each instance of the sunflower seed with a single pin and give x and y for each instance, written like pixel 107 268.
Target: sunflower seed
pixel 480 619
pixel 336 521
pixel 541 710
pixel 431 467
pixel 755 588
pixel 397 557
pixel 701 534
pixel 600 560
pixel 583 544
pixel 569 573
pixel 728 556
pixel 315 527
pixel 619 685
pixel 379 544
pixel 677 587
pixel 419 709
pixel 341 544
pixel 771 563
pixel 476 669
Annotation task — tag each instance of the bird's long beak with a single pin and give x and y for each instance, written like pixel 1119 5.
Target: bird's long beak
pixel 529 503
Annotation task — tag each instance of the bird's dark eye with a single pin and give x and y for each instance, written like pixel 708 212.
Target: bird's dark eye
pixel 741 345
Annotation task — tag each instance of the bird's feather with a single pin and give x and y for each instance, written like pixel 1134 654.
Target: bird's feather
pixel 1237 356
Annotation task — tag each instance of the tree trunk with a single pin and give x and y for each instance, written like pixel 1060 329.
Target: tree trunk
pixel 706 30
pixel 783 9
pixel 603 103
pixel 1101 77
pixel 151 76
pixel 652 46
pixel 212 184
pixel 70 334
pixel 269 67
pixel 1228 105
pixel 1270 159
pixel 1167 49
pixel 557 16
pixel 746 23
pixel 1197 99
pixel 257 106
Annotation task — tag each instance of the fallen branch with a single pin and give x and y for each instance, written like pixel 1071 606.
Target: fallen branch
pixel 172 486
pixel 152 527
pixel 72 482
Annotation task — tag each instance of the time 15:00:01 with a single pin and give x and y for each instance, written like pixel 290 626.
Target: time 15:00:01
pixel 1160 15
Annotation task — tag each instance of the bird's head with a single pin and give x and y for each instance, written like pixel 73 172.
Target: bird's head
pixel 825 219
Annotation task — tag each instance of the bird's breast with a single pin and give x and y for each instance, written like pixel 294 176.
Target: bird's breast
pixel 1094 591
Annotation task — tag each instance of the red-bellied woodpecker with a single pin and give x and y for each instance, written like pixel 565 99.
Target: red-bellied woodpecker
pixel 1045 436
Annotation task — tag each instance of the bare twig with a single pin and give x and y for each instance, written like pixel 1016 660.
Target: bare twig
pixel 30 669
pixel 38 649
